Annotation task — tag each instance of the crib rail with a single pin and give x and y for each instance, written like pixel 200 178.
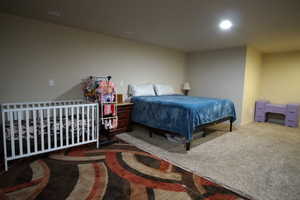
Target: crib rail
pixel 40 104
pixel 42 127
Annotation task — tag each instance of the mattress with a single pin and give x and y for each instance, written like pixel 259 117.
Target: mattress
pixel 180 114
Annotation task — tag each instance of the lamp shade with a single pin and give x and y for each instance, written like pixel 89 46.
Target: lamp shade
pixel 186 86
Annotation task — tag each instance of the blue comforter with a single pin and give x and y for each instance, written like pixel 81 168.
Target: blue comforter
pixel 180 114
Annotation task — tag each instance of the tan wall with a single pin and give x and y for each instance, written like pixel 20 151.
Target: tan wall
pixel 252 82
pixel 281 77
pixel 34 52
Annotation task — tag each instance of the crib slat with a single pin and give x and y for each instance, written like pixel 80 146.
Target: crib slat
pixel 88 122
pixel 12 137
pixel 55 128
pixel 72 124
pixel 97 125
pixel 93 123
pixel 43 111
pixel 48 128
pixel 4 140
pixel 27 132
pixel 60 127
pixel 77 118
pixel 20 130
pixel 34 131
pixel 82 123
pixel 67 125
pixel 15 114
pixel 42 129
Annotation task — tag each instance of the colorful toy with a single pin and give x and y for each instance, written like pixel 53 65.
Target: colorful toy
pixel 89 86
pixel 104 92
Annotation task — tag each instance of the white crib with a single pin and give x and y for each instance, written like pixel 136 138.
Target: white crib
pixel 33 128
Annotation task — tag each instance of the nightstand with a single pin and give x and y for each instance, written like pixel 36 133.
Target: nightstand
pixel 124 118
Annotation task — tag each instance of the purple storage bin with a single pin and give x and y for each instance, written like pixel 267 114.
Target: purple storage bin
pixel 260 115
pixel 276 108
pixel 291 112
pixel 293 108
pixel 261 104
pixel 291 123
pixel 292 115
pixel 260 118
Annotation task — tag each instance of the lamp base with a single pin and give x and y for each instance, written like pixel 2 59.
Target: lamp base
pixel 186 92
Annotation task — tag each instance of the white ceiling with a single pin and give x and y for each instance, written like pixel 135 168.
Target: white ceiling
pixel 189 25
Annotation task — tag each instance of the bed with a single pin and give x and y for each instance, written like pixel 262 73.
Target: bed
pixel 181 114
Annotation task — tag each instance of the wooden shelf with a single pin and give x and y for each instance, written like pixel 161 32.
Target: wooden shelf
pixel 124 118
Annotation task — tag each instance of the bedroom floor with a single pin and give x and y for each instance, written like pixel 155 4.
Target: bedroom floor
pixel 260 160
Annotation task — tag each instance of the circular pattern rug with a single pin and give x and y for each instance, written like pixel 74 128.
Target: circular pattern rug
pixel 119 171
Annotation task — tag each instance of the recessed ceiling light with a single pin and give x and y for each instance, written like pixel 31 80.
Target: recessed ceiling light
pixel 225 24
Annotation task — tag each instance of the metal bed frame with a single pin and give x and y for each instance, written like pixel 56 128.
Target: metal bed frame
pixel 188 143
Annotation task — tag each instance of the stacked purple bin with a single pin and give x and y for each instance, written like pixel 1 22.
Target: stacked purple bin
pixel 290 111
pixel 292 115
pixel 260 114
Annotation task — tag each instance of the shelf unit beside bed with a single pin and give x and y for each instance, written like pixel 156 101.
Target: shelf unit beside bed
pixel 124 118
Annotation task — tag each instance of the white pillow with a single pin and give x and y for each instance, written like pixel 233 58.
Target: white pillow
pixel 141 90
pixel 161 89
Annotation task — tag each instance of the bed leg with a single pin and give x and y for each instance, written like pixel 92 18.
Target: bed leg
pixel 5 165
pixel 231 121
pixel 188 146
pixel 97 143
pixel 150 132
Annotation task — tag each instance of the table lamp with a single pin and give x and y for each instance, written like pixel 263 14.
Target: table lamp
pixel 186 88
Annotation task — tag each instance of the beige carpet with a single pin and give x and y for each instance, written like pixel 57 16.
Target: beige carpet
pixel 260 160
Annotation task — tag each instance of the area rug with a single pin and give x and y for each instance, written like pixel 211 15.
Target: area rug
pixel 120 171
pixel 258 160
